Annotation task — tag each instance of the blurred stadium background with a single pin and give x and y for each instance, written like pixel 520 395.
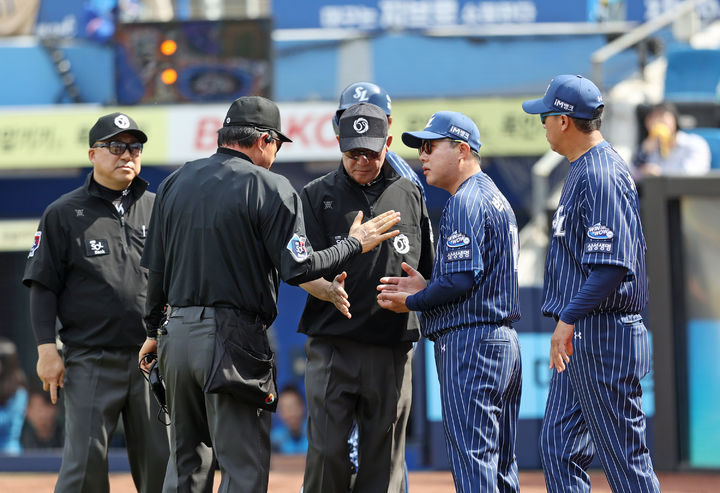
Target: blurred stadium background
pixel 175 65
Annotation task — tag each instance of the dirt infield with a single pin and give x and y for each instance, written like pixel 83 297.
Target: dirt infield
pixel 286 477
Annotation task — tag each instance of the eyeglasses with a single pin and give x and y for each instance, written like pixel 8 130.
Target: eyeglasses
pixel 355 154
pixel 543 116
pixel 118 148
pixel 426 146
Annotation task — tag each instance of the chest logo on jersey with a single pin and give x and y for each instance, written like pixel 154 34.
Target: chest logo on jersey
pixel 558 222
pixel 93 248
pixel 457 240
pixel 600 232
pixel 297 248
pixel 327 204
pixel 79 212
pixel 36 244
pixel 401 244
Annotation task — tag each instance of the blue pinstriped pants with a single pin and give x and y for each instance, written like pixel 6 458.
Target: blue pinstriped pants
pixel 595 406
pixel 480 376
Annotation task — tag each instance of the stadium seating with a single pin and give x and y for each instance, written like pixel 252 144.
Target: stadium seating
pixel 692 75
pixel 712 135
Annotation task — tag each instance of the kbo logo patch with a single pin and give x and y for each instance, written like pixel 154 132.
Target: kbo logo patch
pixel 296 245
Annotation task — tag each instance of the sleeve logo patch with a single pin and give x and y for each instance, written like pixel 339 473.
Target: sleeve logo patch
pixel 600 232
pixel 93 248
pixel 455 255
pixel 36 244
pixel 457 240
pixel 598 247
pixel 296 245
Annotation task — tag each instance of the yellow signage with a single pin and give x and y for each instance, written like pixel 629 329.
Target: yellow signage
pixel 505 129
pixel 38 138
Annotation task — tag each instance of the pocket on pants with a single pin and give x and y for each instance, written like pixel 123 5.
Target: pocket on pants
pixel 238 368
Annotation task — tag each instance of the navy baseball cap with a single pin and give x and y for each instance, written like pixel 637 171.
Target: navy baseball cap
pixel 113 124
pixel 363 126
pixel 446 125
pixel 571 94
pixel 257 112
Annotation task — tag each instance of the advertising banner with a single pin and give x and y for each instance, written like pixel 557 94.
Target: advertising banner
pixel 44 138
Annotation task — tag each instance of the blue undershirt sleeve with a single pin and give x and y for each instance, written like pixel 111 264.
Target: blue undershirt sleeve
pixel 601 283
pixel 442 290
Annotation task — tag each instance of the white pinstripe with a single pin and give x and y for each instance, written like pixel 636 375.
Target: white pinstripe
pixel 595 404
pixel 478 359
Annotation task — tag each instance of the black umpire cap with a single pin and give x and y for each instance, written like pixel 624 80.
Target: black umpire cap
pixel 113 124
pixel 257 112
pixel 363 126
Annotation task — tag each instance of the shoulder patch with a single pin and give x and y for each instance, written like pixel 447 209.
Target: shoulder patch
pixel 457 240
pixel 297 248
pixel 36 244
pixel 600 232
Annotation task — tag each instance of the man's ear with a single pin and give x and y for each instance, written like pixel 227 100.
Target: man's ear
pixel 389 141
pixel 91 155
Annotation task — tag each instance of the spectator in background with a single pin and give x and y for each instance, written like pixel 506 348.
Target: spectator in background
pixel 668 150
pixel 42 428
pixel 289 435
pixel 13 398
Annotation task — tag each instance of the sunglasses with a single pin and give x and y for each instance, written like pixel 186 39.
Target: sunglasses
pixel 355 154
pixel 118 148
pixel 543 116
pixel 426 146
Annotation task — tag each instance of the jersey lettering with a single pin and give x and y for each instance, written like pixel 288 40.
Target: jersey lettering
pixel 515 246
pixel 558 223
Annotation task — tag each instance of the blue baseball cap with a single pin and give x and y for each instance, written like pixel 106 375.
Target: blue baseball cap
pixel 571 94
pixel 446 125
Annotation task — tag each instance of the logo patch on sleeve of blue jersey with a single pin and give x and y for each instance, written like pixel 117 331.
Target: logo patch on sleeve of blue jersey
pixel 458 254
pixel 600 232
pixel 296 245
pixel 36 243
pixel 598 247
pixel 93 248
pixel 457 240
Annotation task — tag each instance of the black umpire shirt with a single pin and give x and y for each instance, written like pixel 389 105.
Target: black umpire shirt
pixel 330 204
pixel 88 254
pixel 223 232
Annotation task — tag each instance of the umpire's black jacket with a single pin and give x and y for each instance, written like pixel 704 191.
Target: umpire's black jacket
pixel 330 204
pixel 88 254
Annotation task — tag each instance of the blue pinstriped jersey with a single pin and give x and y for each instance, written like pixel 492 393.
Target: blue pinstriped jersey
pixel 478 233
pixel 403 169
pixel 597 222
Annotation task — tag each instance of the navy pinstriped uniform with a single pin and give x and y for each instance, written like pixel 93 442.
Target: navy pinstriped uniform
pixel 476 349
pixel 594 406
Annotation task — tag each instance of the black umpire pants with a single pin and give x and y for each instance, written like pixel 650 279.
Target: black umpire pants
pixel 239 433
pixel 345 381
pixel 102 384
